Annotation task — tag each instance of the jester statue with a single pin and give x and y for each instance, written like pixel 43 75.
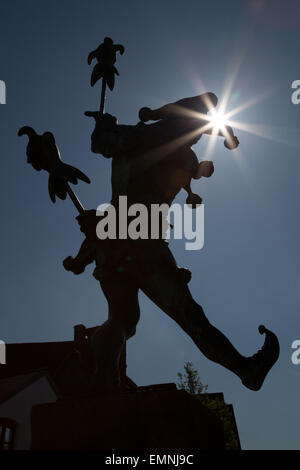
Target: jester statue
pixel 151 162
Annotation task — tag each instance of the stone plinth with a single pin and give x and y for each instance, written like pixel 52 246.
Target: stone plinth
pixel 147 418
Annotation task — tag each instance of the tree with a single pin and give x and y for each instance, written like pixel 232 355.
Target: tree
pixel 190 380
pixel 191 383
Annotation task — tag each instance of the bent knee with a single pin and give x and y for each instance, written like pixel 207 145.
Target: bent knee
pixel 130 324
pixel 130 332
pixel 125 317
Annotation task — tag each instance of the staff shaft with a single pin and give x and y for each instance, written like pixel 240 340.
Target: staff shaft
pixel 103 90
pixel 75 200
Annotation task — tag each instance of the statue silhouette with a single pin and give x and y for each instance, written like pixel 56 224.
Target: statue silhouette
pixel 151 163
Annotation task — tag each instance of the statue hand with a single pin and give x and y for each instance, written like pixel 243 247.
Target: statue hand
pixel 70 264
pixel 105 121
pixel 193 200
pixel 104 139
pixel 87 223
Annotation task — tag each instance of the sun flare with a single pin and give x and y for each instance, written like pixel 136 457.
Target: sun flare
pixel 218 121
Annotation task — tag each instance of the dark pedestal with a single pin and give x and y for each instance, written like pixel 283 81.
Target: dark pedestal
pixel 144 419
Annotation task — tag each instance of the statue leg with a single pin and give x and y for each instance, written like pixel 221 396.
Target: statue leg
pixel 109 339
pixel 169 292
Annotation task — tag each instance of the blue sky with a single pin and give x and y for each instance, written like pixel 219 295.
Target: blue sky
pixel 248 271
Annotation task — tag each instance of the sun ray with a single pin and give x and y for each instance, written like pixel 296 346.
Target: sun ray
pixel 250 103
pixel 231 79
pixel 215 123
pixel 158 153
pixel 269 132
pixel 211 143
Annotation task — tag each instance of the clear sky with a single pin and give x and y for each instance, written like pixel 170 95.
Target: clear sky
pixel 248 271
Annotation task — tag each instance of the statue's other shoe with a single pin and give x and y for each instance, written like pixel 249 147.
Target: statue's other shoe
pixel 258 365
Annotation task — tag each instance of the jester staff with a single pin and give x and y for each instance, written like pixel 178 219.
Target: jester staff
pixel 105 68
pixel 43 154
pixel 42 151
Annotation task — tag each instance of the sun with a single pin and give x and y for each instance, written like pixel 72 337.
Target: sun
pixel 218 121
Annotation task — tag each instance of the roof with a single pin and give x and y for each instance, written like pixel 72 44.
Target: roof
pixel 13 385
pixel 23 358
pixel 58 359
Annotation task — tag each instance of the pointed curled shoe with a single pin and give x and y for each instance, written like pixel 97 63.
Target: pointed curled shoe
pixel 258 365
